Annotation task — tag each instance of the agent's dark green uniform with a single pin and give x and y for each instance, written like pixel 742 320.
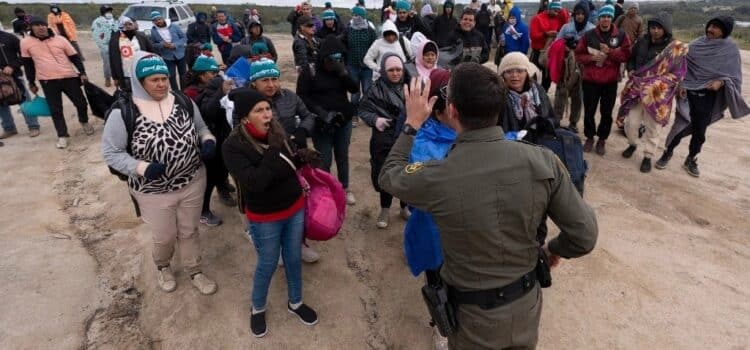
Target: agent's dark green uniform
pixel 488 197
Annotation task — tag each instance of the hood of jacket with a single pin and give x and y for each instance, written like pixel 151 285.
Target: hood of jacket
pixel 453 6
pixel 389 26
pixel 137 88
pixel 664 19
pixel 330 45
pixel 725 21
pixel 254 23
pixel 516 12
pixel 583 6
pixel 384 76
pixel 419 60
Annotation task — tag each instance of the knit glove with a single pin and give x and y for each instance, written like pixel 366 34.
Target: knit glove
pixel 154 171
pixel 208 149
pixel 382 123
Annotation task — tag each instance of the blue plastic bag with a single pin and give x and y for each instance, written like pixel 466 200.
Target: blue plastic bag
pixel 36 107
pixel 239 72
pixel 421 236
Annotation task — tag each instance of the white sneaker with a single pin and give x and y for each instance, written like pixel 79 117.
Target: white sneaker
pixel 62 142
pixel 383 218
pixel 309 255
pixel 350 200
pixel 203 284
pixel 405 213
pixel 166 279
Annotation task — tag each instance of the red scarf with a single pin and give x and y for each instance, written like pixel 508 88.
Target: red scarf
pixel 255 133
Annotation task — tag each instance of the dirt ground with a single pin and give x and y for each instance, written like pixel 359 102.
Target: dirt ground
pixel 669 270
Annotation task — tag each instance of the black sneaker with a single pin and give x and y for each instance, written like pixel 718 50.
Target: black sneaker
pixel 305 314
pixel 258 324
pixel 646 165
pixel 663 160
pixel 691 166
pixel 628 152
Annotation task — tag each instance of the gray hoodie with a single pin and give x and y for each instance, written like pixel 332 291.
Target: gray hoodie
pixel 115 137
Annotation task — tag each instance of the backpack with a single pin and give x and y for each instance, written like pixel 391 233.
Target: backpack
pixel 128 112
pixel 565 144
pixel 325 203
pixel 10 93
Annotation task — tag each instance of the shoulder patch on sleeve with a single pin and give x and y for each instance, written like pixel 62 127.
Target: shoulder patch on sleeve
pixel 413 167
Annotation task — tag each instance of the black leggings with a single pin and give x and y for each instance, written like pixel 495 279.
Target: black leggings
pixel 378 153
pixel 53 90
pixel 603 95
pixel 701 105
pixel 216 173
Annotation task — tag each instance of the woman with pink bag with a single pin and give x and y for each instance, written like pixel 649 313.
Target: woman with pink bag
pixel 263 163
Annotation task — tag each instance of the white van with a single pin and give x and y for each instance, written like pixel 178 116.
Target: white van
pixel 172 11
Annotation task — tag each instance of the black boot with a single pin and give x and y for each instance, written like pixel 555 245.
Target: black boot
pixel 646 165
pixel 663 160
pixel 628 152
pixel 691 166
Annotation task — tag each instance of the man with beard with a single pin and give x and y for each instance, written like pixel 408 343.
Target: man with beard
pixel 475 46
pixel 710 89
pixel 122 46
pixel 54 61
pixel 169 42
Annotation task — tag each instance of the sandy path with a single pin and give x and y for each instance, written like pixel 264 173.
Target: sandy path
pixel 668 272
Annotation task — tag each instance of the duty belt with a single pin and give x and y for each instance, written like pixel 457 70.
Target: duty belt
pixel 492 298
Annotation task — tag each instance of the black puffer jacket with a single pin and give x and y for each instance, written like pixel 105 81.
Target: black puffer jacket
pixel 208 102
pixel 290 111
pixel 305 51
pixel 385 100
pixel 267 183
pixel 326 91
pixel 644 50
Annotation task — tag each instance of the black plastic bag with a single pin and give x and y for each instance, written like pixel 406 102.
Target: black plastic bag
pixel 99 100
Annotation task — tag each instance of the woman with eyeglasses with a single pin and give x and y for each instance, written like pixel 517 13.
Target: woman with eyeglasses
pixel 523 99
pixel 382 108
pixel 325 93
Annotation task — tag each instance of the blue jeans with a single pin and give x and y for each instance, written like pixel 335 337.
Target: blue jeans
pixel 335 144
pixel 104 52
pixel 6 118
pixel 268 238
pixel 364 77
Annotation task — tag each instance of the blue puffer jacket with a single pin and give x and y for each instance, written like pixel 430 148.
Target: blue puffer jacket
pixel 421 236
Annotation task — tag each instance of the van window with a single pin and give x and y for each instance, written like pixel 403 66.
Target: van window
pixel 189 11
pixel 173 15
pixel 183 14
pixel 142 13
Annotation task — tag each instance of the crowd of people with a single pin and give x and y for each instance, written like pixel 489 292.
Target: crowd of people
pixel 182 126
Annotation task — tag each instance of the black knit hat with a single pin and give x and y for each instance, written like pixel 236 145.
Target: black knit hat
pixel 37 21
pixel 18 10
pixel 726 24
pixel 245 99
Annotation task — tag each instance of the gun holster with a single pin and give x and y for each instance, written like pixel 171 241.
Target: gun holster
pixel 543 274
pixel 443 313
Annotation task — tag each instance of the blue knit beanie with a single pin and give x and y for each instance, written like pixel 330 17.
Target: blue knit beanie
pixel 403 5
pixel 155 15
pixel 359 11
pixel 607 10
pixel 205 64
pixel 259 48
pixel 264 68
pixel 328 14
pixel 149 66
pixel 555 5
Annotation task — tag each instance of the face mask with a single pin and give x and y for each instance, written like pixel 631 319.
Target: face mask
pixel 108 15
pixel 129 33
pixel 512 21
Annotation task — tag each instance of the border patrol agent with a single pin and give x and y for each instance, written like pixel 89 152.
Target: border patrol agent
pixel 488 197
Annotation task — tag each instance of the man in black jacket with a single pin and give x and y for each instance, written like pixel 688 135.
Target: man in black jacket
pixel 198 33
pixel 325 94
pixel 20 23
pixel 10 64
pixel 444 27
pixel 475 46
